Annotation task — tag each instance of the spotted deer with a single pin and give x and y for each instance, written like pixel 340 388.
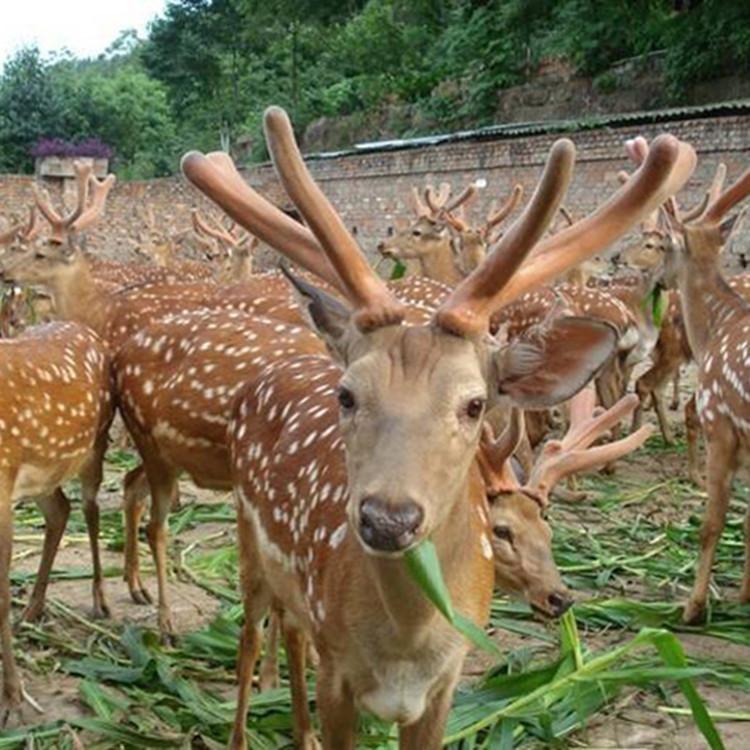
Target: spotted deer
pixel 442 243
pixel 54 409
pixel 520 535
pixel 717 323
pixel 521 539
pixel 407 394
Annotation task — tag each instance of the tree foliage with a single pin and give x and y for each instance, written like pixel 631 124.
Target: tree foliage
pixel 209 67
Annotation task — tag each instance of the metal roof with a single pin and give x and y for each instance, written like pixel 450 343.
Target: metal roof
pixel 519 129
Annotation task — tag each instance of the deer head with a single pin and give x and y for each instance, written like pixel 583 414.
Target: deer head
pixel 91 196
pixel 521 537
pixel 413 397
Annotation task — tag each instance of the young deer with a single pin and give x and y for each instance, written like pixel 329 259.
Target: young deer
pixel 410 397
pixel 54 411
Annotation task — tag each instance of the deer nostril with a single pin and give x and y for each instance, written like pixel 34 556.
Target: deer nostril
pixel 559 603
pixel 389 527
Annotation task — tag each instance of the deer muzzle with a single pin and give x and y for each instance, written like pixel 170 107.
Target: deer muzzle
pixel 389 527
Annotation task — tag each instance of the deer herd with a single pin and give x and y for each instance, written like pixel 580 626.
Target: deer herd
pixel 354 418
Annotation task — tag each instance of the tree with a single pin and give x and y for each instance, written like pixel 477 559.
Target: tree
pixel 31 107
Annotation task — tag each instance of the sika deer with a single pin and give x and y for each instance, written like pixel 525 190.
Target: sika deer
pixel 54 413
pixel 445 246
pixel 717 321
pixel 408 395
pixel 520 536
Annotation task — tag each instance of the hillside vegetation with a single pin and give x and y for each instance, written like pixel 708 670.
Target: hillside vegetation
pixel 207 68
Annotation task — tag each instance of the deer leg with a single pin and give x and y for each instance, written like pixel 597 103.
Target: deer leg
pixel 135 492
pixel 12 694
pixel 91 480
pixel 427 733
pixel 296 648
pixel 607 391
pixel 721 465
pixel 675 403
pixel 255 601
pixel 692 433
pixel 661 415
pixel 162 481
pixel 55 508
pixel 338 715
pixel 269 667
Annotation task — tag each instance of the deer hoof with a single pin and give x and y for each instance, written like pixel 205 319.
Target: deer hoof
pixel 695 613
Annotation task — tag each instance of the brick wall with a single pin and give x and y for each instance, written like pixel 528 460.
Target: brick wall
pixel 370 189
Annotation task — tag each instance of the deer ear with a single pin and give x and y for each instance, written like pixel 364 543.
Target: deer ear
pixel 554 362
pixel 325 314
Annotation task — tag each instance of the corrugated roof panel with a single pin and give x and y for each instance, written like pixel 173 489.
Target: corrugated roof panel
pixel 518 129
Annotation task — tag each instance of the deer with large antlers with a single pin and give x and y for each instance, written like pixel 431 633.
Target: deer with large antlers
pixel 446 247
pixel 411 398
pixel 54 410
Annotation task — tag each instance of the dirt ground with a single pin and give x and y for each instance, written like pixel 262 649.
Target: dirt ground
pixel 636 720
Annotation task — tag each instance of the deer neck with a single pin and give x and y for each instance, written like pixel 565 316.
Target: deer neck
pixel 458 543
pixel 708 303
pixel 473 251
pixel 77 298
pixel 440 265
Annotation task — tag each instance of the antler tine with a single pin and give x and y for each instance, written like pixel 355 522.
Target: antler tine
pixel 99 192
pixel 216 177
pixel 500 214
pixel 444 192
pixel 217 231
pixel 666 169
pixel 83 175
pixel 623 176
pixel 719 207
pixel 466 194
pixel 31 230
pixel 711 195
pixel 585 427
pixel 581 408
pixel 419 206
pixel 493 457
pixel 468 308
pixel 436 201
pixel 376 306
pixel 559 459
pixel 697 210
pixel 637 149
pixel 717 184
pixel 44 204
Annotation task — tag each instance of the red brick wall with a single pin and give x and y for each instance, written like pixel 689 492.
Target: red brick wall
pixel 370 190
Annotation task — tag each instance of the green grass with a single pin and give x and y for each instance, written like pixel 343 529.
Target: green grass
pixel 628 553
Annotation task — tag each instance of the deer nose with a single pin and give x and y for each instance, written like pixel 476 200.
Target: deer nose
pixel 559 602
pixel 388 527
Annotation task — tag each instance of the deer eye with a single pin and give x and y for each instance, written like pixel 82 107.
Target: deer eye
pixel 474 408
pixel 504 533
pixel 416 232
pixel 346 399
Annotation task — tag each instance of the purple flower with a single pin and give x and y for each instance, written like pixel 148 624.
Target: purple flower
pixel 91 147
